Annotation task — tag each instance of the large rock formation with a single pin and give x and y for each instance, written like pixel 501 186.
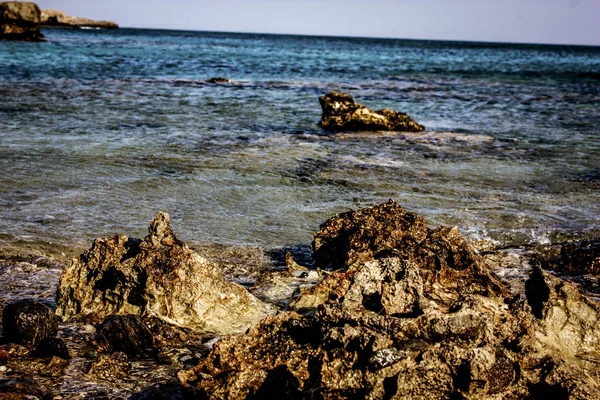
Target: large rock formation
pixel 580 257
pixel 159 276
pixel 341 113
pixel 20 21
pixel 58 18
pixel 411 313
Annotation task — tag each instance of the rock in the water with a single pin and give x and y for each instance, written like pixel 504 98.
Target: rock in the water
pixel 341 113
pixel 20 21
pixel 111 367
pixel 60 19
pixel 52 347
pixel 581 257
pixel 419 316
pixel 218 80
pixel 21 389
pixel 28 322
pixel 159 276
pixel 126 333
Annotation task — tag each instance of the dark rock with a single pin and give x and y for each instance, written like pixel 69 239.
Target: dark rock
pixel 163 392
pixel 581 257
pixel 20 21
pixel 58 18
pixel 341 113
pixel 21 389
pixel 111 367
pixel 126 333
pixel 157 277
pixel 51 347
pixel 28 322
pixel 416 313
pixel 218 80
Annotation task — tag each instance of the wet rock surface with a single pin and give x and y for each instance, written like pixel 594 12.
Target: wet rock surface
pixel 126 333
pixel 341 113
pixel 111 367
pixel 155 277
pixel 20 21
pixel 52 347
pixel 411 312
pixel 28 322
pixel 581 257
pixel 22 389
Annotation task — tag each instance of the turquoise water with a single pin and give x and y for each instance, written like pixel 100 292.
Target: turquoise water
pixel 99 130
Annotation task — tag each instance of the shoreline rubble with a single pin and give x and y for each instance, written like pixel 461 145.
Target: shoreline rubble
pixel 390 309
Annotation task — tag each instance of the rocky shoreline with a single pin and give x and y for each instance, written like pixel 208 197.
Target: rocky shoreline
pixel 389 308
pixel 23 21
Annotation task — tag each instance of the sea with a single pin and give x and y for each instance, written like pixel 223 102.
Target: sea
pixel 100 130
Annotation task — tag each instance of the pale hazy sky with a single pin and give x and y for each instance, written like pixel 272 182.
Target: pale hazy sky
pixel 529 21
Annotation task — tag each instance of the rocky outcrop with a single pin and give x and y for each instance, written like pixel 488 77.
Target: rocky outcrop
pixel 410 312
pixel 28 322
pixel 155 277
pixel 20 21
pixel 58 18
pixel 341 113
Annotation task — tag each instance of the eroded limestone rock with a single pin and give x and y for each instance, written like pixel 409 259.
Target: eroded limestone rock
pixel 411 313
pixel 158 276
pixel 61 19
pixel 341 113
pixel 20 20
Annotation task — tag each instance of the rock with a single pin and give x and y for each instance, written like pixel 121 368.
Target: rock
pixel 159 276
pixel 126 333
pixel 58 18
pixel 162 392
pixel 341 113
pixel 51 347
pixel 28 322
pixel 112 367
pixel 20 21
pixel 415 313
pixel 21 389
pixel 218 80
pixel 581 257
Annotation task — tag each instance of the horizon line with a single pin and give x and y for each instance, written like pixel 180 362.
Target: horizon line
pixel 354 37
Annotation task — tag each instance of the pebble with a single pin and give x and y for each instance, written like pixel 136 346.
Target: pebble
pixel 3 368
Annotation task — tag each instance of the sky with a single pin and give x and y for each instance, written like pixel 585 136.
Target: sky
pixel 521 21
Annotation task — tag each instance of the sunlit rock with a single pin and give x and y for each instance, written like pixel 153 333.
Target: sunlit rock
pixel 158 276
pixel 341 113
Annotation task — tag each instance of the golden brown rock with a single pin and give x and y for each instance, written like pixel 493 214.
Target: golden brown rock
pixel 341 113
pixel 158 276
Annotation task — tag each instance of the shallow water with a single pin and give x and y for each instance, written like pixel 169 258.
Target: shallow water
pixel 99 130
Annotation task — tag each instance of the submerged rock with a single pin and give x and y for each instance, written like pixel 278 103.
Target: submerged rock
pixel 341 113
pixel 159 276
pixel 126 333
pixel 410 312
pixel 28 322
pixel 58 18
pixel 20 21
